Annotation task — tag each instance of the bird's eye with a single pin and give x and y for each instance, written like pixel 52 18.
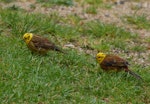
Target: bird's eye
pixel 28 37
pixel 99 57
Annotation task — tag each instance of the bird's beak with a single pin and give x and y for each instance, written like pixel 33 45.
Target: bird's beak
pixel 94 57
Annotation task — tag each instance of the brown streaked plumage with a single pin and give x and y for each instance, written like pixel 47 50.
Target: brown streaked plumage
pixel 39 44
pixel 113 62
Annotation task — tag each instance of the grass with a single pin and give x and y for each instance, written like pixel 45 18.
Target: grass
pixel 15 8
pixel 93 2
pixel 107 36
pixel 91 10
pixel 74 77
pixel 140 21
pixel 48 3
pixel 91 5
pixel 7 1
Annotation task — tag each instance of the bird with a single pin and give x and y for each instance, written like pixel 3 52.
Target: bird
pixel 110 62
pixel 39 44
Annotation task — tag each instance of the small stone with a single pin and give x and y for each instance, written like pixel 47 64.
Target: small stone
pixel 69 45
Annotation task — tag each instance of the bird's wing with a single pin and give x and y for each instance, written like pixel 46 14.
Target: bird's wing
pixel 115 61
pixel 40 42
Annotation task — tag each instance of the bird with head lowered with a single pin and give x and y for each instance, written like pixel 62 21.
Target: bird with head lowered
pixel 112 62
pixel 39 44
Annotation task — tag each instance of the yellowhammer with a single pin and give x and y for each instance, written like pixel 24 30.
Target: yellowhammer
pixel 112 62
pixel 39 44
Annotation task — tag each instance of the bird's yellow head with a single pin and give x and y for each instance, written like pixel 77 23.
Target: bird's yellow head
pixel 27 37
pixel 100 57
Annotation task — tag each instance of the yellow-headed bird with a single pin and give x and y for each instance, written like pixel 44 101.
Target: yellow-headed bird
pixel 113 62
pixel 39 44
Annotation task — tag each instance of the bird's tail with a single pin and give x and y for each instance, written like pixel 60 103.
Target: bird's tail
pixel 134 74
pixel 58 49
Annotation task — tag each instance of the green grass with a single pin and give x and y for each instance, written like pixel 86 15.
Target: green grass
pixel 141 22
pixel 74 77
pixel 92 7
pixel 91 10
pixel 138 48
pixel 7 1
pixel 49 3
pixel 15 8
pixel 93 2
pixel 107 36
